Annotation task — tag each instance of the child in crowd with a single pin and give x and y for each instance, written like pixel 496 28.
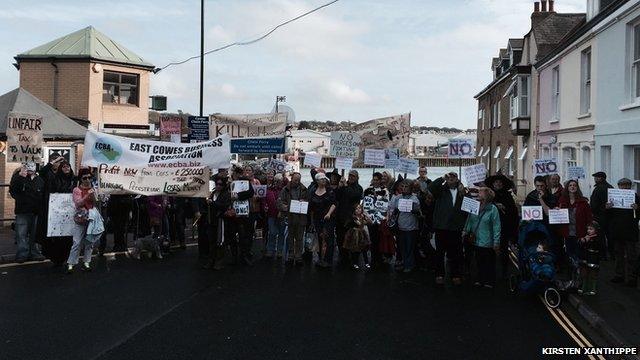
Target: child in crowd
pixel 357 237
pixel 589 260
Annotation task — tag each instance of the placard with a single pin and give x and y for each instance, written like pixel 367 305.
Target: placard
pixel 368 203
pixel 374 157
pixel 405 205
pixel 545 167
pixel 462 149
pixel 170 128
pixel 298 207
pixel 239 186
pixel 198 128
pixel 149 181
pixel 249 125
pixel 260 190
pixel 24 138
pixel 576 173
pixel 470 205
pixel 278 165
pixel 621 198
pixel 408 166
pixel 312 159
pixel 560 216
pixel 532 213
pixel 344 163
pixel 344 144
pixel 474 174
pixel 258 146
pixel 60 218
pixel 391 157
pixel 241 207
pixel 387 132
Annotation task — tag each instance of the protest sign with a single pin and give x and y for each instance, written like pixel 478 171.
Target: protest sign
pixel 241 207
pixel 260 190
pixel 344 144
pixel 343 163
pixel 408 166
pixel 374 157
pixel 298 207
pixel 171 128
pixel 312 159
pixel 278 165
pixel 575 172
pixel 248 125
pixel 383 133
pixel 368 203
pixel 24 138
pixel 239 186
pixel 545 167
pixel 621 198
pixel 258 146
pixel 391 157
pixel 532 213
pixel 405 205
pixel 560 216
pixel 474 174
pixel 60 217
pixel 470 205
pixel 462 149
pixel 198 128
pixel 100 148
pixel 149 181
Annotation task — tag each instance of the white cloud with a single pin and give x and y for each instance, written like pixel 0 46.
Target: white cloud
pixel 346 94
pixel 228 91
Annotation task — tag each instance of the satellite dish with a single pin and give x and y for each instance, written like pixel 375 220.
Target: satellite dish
pixel 291 115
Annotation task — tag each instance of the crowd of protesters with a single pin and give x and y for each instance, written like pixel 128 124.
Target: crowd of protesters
pixel 393 223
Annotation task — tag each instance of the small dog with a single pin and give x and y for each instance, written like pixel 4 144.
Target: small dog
pixel 151 244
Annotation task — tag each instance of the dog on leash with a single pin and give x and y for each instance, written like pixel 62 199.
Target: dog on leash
pixel 151 244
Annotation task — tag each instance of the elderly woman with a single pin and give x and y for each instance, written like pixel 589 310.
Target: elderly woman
pixel 483 232
pixel 405 209
pixel 508 210
pixel 322 205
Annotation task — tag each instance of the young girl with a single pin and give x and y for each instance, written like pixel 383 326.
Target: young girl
pixel 589 259
pixel 357 237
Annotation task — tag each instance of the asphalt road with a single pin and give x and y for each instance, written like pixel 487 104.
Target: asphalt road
pixel 170 309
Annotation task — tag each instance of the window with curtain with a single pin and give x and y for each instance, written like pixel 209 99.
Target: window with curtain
pixel 555 93
pixel 585 91
pixel 635 63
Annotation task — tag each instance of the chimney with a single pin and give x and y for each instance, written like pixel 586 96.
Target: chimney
pixel 544 5
pixel 536 7
pixel 551 2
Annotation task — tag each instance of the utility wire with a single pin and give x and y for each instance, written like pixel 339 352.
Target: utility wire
pixel 243 43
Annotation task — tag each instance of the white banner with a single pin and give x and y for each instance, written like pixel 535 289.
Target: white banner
pixel 108 149
pixel 621 198
pixel 345 144
pixel 312 159
pixel 545 167
pixel 344 163
pixel 474 174
pixel 374 157
pixel 247 125
pixel 24 138
pixel 60 217
pixel 560 216
pixel 149 181
pixel 383 133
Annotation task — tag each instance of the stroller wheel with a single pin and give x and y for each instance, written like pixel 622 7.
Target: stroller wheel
pixel 552 298
pixel 513 283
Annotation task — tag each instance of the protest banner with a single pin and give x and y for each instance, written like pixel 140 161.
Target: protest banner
pixel 384 133
pixel 374 157
pixel 344 144
pixel 470 205
pixel 391 157
pixel 532 213
pixel 149 181
pixel 545 167
pixel 474 174
pixel 24 138
pixel 260 190
pixel 621 198
pixel 298 207
pixel 462 149
pixel 343 163
pixel 408 166
pixel 560 216
pixel 312 159
pixel 198 128
pixel 60 216
pixel 100 148
pixel 241 207
pixel 576 173
pixel 251 133
pixel 278 165
pixel 405 205
pixel 171 128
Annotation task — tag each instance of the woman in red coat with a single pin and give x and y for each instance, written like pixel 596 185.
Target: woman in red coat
pixel 579 217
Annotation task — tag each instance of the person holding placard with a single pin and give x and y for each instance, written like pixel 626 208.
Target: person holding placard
pixel 241 224
pixel 297 221
pixel 407 207
pixel 348 194
pixel 84 198
pixel 63 182
pixel 598 201
pixel 27 188
pixel 376 203
pixel 541 197
pixel 322 205
pixel 624 235
pixel 508 211
pixel 483 231
pixel 276 237
pixel 579 217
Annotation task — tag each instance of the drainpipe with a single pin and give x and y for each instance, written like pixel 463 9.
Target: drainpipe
pixel 55 84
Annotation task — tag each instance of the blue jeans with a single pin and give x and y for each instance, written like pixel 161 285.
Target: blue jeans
pixel 407 244
pixel 26 225
pixel 325 230
pixel 276 235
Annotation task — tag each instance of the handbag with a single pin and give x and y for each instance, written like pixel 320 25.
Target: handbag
pixel 230 213
pixel 471 237
pixel 81 216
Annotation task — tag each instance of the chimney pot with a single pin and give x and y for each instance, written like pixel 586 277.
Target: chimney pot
pixel 536 7
pixel 551 2
pixel 544 5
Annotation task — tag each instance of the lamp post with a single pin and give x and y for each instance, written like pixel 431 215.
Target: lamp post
pixel 201 53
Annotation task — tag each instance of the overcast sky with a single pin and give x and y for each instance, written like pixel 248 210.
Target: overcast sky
pixel 354 60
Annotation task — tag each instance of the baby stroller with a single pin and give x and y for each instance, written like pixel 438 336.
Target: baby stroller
pixel 536 265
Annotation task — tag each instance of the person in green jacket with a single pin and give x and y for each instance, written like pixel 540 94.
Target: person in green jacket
pixel 483 231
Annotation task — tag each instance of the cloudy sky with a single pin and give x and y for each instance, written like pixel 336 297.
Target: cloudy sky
pixel 355 60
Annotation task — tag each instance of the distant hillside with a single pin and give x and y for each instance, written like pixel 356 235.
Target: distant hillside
pixel 327 126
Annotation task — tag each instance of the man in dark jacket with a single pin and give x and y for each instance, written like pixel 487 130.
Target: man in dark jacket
pixel 508 210
pixel 623 224
pixel 541 197
pixel 349 193
pixel 27 188
pixel 598 202
pixel 242 224
pixel 296 222
pixel 448 221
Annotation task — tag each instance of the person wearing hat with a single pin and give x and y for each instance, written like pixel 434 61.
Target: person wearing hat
pixel 623 225
pixel 322 206
pixel 27 188
pixel 508 211
pixel 348 194
pixel 598 202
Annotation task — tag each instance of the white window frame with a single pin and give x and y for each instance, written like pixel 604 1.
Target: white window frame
pixel 555 94
pixel 519 105
pixel 570 156
pixel 495 115
pixel 481 118
pixel 585 81
pixel 634 61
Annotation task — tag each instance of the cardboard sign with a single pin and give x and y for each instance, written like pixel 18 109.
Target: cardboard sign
pixel 149 181
pixel 462 149
pixel 532 213
pixel 298 207
pixel 312 159
pixel 260 190
pixel 239 186
pixel 241 207
pixel 474 174
pixel 24 138
pixel 405 205
pixel 560 216
pixel 368 203
pixel 344 163
pixel 60 217
pixel 345 144
pixel 278 165
pixel 198 128
pixel 576 173
pixel 409 166
pixel 545 167
pixel 621 198
pixel 170 128
pixel 470 205
pixel 374 157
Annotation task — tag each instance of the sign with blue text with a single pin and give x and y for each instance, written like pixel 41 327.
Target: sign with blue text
pixel 258 146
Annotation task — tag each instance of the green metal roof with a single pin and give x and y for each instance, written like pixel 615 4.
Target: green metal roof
pixel 86 43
